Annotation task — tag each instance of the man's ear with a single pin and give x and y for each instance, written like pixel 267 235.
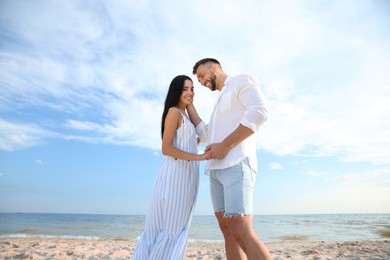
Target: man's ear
pixel 214 68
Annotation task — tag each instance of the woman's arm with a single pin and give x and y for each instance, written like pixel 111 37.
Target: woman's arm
pixel 194 117
pixel 172 122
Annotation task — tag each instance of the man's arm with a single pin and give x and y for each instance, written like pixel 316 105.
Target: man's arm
pixel 252 98
pixel 219 150
pixel 200 126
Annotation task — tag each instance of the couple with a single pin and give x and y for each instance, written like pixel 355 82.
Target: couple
pixel 231 165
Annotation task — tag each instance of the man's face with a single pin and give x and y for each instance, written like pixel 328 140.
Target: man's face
pixel 206 77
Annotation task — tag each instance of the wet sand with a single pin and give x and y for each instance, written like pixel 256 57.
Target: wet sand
pixel 58 248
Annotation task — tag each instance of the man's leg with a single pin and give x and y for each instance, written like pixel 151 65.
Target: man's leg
pixel 238 182
pixel 233 250
pixel 241 229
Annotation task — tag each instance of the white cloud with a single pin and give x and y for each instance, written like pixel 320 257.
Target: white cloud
pixel 336 200
pixel 20 136
pixel 40 162
pixel 84 126
pixel 315 173
pixel 342 111
pixel 275 166
pixel 361 176
pixel 106 68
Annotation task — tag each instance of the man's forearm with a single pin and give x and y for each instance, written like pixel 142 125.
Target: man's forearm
pixel 237 136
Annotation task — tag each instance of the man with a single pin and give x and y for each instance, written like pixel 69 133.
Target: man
pixel 232 165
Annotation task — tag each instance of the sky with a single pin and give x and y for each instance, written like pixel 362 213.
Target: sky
pixel 82 87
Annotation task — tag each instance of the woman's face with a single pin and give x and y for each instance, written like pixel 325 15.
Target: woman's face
pixel 187 94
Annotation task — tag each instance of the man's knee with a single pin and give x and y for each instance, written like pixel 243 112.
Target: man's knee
pixel 222 223
pixel 237 225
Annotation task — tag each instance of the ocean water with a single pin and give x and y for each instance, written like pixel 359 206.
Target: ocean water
pixel 270 228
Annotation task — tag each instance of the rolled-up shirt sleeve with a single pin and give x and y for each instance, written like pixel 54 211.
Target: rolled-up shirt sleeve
pixel 201 131
pixel 251 96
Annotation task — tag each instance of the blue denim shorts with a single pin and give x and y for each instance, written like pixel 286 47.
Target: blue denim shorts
pixel 232 188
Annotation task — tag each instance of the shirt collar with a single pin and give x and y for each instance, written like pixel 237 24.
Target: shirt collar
pixel 225 84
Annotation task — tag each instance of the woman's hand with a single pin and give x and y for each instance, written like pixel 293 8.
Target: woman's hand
pixel 204 156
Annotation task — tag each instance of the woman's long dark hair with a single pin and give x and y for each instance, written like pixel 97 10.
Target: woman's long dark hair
pixel 173 97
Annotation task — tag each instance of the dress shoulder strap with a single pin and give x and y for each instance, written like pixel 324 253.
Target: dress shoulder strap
pixel 183 115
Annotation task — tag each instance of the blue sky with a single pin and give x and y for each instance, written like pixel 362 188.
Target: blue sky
pixel 82 85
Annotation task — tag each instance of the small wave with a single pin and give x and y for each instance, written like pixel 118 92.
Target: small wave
pixel 294 237
pixel 30 230
pixel 120 238
pixel 204 241
pixel 49 236
pixel 384 232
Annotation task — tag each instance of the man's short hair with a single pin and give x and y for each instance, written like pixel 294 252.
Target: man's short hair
pixel 203 61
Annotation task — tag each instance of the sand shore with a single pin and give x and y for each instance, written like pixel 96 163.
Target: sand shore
pixel 56 248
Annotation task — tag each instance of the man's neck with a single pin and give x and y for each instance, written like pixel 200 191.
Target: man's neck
pixel 221 81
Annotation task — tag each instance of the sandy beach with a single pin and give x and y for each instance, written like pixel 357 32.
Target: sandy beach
pixel 56 248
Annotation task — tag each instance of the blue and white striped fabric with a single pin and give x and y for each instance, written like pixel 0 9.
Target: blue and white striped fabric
pixel 173 202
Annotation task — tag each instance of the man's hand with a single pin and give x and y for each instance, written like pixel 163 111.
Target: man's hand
pixel 216 151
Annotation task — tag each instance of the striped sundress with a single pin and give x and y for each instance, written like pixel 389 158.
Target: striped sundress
pixel 173 201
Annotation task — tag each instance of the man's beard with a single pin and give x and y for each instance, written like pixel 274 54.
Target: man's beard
pixel 213 82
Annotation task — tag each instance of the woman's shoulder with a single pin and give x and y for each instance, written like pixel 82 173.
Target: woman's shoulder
pixel 174 112
pixel 174 116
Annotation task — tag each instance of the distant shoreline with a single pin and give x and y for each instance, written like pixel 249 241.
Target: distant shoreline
pixel 204 228
pixel 198 215
pixel 385 237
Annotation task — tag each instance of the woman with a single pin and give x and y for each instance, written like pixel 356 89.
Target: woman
pixel 174 195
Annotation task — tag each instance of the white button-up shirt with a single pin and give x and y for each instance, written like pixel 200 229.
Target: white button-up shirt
pixel 240 102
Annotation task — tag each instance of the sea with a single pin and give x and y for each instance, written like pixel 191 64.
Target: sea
pixel 270 228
